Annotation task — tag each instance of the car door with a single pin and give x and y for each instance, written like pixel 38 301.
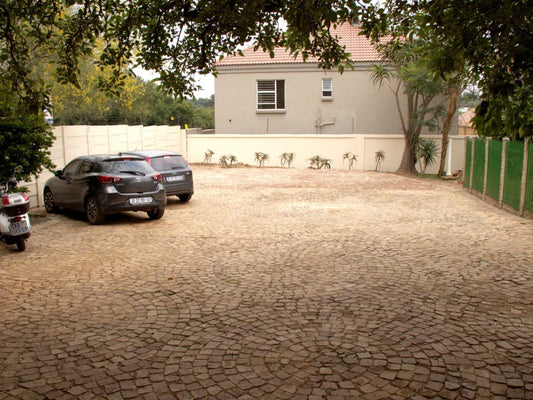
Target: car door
pixel 61 186
pixel 79 185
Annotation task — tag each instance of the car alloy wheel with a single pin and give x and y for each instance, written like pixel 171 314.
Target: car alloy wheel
pixel 93 212
pixel 49 201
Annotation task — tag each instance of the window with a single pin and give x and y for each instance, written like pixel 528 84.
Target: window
pixel 72 168
pixel 271 95
pixel 87 167
pixel 126 166
pixel 167 163
pixel 327 88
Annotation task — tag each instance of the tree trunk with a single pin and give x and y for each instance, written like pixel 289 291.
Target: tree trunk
pixel 408 163
pixel 453 102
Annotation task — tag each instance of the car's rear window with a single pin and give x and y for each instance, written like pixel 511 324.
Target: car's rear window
pixel 119 166
pixel 166 163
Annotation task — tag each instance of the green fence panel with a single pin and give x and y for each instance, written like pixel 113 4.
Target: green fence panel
pixel 478 170
pixel 494 169
pixel 514 164
pixel 468 161
pixel 529 179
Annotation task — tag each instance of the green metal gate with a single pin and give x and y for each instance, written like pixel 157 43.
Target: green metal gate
pixel 529 179
pixel 513 174
pixel 468 162
pixel 478 171
pixel 494 169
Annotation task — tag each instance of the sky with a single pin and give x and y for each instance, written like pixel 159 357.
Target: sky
pixel 207 82
pixel 208 86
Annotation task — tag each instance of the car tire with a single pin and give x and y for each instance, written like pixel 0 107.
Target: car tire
pixel 184 198
pixel 93 211
pixel 49 201
pixel 156 213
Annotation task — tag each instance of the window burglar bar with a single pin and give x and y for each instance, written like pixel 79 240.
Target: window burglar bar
pixel 271 95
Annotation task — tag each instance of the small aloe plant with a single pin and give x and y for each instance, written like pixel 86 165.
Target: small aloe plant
pixel 208 155
pixel 261 158
pixel 318 162
pixel 227 160
pixel 352 158
pixel 286 159
pixel 232 159
pixel 325 163
pixel 380 157
pixel 314 162
pixel 224 161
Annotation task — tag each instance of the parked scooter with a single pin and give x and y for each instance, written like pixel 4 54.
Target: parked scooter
pixel 15 224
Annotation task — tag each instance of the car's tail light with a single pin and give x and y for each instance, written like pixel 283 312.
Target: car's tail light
pixel 5 200
pixel 108 179
pixel 24 196
pixel 148 160
pixel 157 177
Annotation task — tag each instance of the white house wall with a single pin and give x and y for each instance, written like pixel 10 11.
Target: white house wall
pixel 357 106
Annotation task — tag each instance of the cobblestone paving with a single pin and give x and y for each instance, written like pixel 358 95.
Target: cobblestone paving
pixel 275 284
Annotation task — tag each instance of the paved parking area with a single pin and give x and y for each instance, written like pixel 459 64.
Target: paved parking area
pixel 275 284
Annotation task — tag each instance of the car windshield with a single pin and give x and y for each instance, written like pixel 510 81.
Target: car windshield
pixel 168 162
pixel 135 167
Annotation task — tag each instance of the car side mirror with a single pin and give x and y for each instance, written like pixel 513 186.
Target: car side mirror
pixel 59 173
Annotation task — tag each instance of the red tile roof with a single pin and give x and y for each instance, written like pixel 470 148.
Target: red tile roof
pixel 465 119
pixel 360 48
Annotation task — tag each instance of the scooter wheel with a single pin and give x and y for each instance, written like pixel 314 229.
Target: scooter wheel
pixel 21 243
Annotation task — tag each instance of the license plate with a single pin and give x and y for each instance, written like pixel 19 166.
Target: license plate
pixel 17 228
pixel 140 200
pixel 175 178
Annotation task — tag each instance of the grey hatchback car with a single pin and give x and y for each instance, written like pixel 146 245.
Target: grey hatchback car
pixel 174 169
pixel 106 184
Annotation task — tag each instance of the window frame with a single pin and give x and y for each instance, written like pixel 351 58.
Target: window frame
pixel 325 90
pixel 277 93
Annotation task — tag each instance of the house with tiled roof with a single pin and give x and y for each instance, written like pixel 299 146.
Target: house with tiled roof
pixel 257 94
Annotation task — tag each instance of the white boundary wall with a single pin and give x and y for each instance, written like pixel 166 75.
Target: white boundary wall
pixel 304 147
pixel 74 141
